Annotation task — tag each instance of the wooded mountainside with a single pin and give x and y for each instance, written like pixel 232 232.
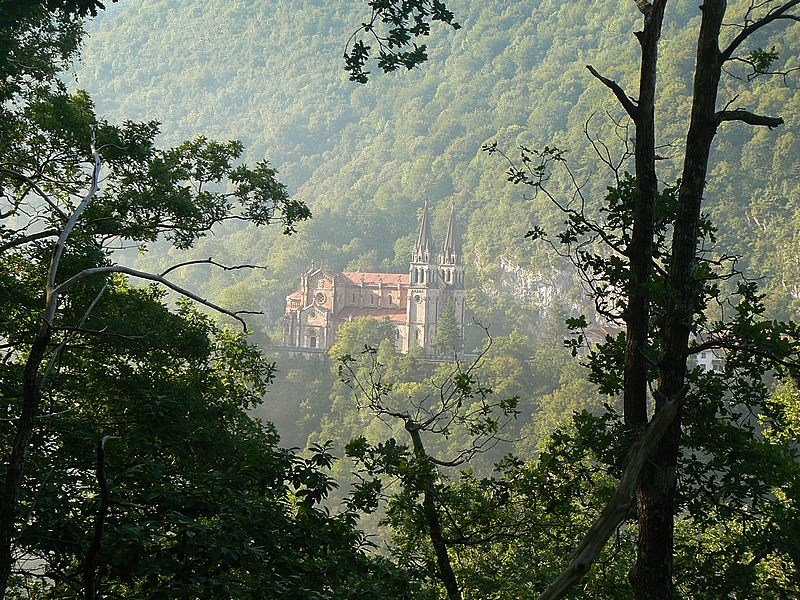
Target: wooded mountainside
pixel 364 157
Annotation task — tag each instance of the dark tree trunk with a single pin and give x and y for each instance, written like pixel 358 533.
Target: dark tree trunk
pixel 640 250
pixel 640 253
pixel 90 578
pixel 652 578
pixel 432 519
pixel 16 461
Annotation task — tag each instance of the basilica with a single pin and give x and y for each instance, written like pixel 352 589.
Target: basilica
pixel 413 302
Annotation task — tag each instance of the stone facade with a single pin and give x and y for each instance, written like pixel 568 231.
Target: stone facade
pixel 413 302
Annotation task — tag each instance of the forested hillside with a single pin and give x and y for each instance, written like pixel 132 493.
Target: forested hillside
pixel 365 157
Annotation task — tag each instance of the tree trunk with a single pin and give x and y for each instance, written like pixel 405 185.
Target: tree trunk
pixel 652 577
pixel 32 387
pixel 640 250
pixel 432 518
pixel 16 463
pixel 90 578
pixel 640 253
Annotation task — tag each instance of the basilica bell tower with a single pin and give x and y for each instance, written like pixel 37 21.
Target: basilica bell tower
pixel 434 282
pixel 451 275
pixel 423 293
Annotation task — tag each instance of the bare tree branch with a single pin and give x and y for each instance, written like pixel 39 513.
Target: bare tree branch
pixel 57 351
pixel 777 13
pixel 628 104
pixel 210 261
pixel 748 117
pixel 101 332
pixel 151 277
pixel 24 239
pixel 757 70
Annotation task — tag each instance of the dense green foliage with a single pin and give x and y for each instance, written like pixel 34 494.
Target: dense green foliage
pixel 203 502
pixel 365 157
pixel 309 404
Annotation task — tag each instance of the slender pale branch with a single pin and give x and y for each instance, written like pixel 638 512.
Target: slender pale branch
pixel 61 288
pixel 54 356
pixel 52 293
pixel 102 332
pixel 628 104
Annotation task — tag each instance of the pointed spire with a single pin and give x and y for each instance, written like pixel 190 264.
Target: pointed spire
pixel 422 251
pixel 451 249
